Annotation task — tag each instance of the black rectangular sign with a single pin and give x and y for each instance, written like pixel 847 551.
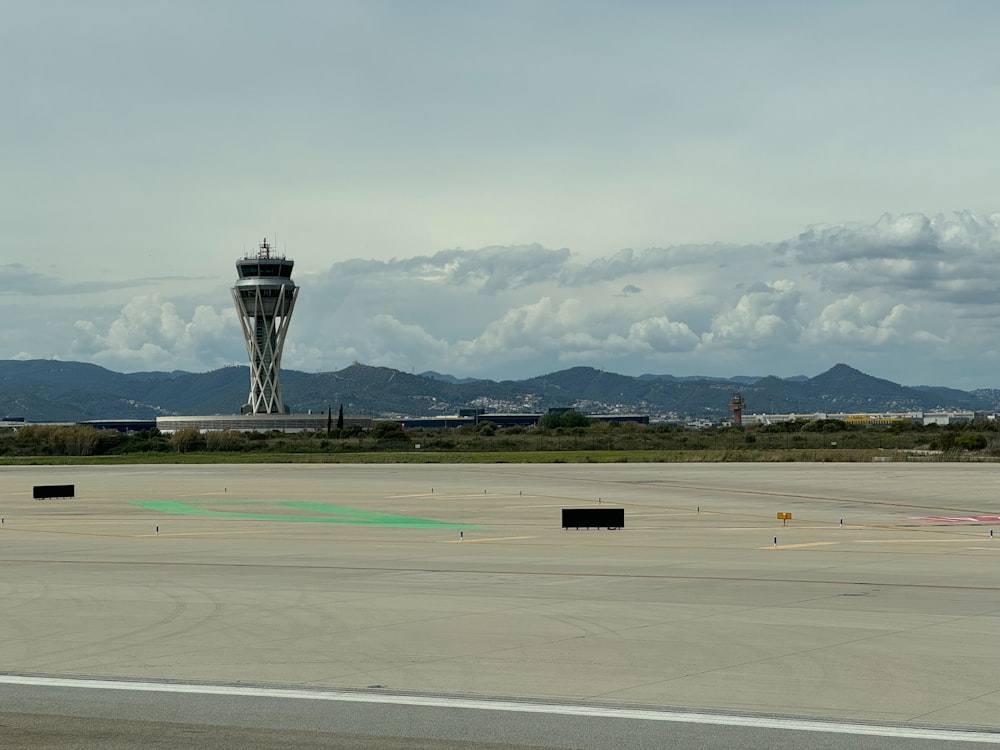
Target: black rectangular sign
pixel 593 518
pixel 43 491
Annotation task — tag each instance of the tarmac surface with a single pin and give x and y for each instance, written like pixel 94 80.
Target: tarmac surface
pixel 877 605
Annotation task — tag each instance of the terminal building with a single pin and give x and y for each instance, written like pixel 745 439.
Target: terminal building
pixel 874 419
pixel 310 422
pixel 257 422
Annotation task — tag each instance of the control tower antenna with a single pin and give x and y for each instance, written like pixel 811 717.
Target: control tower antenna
pixel 736 406
pixel 265 297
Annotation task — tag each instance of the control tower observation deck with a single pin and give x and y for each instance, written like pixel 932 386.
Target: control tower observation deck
pixel 265 297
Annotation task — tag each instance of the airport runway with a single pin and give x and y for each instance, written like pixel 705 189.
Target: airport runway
pixel 453 583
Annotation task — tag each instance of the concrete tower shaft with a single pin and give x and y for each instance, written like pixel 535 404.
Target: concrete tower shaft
pixel 736 405
pixel 265 298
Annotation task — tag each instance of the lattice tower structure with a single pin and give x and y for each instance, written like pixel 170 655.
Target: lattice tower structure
pixel 265 298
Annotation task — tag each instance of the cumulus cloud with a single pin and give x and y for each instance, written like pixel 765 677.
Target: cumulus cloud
pixel 869 324
pixel 908 236
pixel 661 335
pixel 150 334
pixel 765 316
pixel 897 291
pixel 523 310
pixel 951 259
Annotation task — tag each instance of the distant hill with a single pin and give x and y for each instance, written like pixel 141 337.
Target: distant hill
pixel 446 378
pixel 48 390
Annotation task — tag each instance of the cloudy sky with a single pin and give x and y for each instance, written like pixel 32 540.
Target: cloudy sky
pixel 507 189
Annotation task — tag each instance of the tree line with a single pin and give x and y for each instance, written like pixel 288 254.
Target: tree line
pixel 567 430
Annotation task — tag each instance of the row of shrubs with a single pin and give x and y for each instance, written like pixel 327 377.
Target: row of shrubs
pixel 565 431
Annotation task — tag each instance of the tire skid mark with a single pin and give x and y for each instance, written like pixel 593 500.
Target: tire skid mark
pixel 533 573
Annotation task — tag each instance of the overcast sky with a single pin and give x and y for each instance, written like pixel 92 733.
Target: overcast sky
pixel 507 189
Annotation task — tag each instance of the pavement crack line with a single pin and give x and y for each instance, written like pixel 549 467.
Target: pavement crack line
pixel 786 655
pixel 918 717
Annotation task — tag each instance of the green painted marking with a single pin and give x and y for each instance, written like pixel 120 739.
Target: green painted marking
pixel 373 517
pixel 338 514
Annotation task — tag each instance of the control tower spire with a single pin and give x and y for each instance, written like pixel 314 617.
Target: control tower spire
pixel 265 297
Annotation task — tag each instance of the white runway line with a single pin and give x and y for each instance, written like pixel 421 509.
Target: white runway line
pixel 610 712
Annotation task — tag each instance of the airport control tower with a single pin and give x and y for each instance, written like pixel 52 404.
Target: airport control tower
pixel 265 297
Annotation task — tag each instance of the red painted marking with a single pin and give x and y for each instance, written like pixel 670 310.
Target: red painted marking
pixel 956 519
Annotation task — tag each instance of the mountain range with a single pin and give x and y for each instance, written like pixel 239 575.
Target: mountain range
pixel 54 390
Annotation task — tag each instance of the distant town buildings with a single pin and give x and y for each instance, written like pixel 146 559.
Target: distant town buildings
pixel 876 419
pixel 319 421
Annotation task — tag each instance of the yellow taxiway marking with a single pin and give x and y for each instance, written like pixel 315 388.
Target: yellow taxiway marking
pixel 490 539
pixel 491 496
pixel 772 526
pixel 449 496
pixel 557 505
pixel 795 546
